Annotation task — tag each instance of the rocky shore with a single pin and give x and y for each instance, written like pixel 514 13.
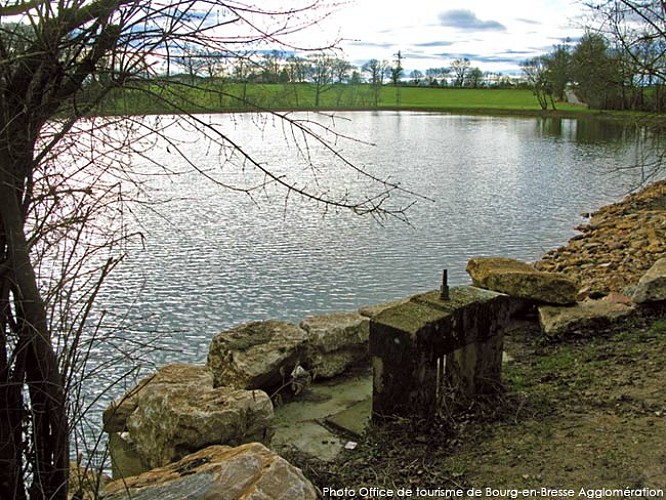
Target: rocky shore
pixel 185 417
pixel 615 248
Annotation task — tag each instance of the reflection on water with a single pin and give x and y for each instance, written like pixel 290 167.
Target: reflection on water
pixel 500 186
pixel 589 130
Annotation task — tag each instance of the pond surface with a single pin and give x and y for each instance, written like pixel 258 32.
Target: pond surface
pixel 212 258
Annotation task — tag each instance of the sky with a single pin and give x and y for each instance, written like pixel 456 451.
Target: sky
pixel 496 35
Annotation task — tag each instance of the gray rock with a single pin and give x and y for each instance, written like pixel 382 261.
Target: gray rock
pixel 116 414
pixel 172 420
pixel 257 355
pixel 652 286
pixel 588 316
pixel 248 472
pixel 521 280
pixel 336 342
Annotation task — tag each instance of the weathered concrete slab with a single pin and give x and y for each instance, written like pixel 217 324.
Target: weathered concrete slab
pixel 298 424
pixel 353 420
pixel 373 310
pixel 412 346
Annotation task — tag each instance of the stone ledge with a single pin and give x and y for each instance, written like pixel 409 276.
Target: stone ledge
pixel 521 280
pixel 594 315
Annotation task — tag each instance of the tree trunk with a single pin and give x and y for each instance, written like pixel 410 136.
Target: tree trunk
pixel 45 385
pixel 11 407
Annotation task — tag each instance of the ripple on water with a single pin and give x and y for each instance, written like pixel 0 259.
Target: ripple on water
pixel 213 259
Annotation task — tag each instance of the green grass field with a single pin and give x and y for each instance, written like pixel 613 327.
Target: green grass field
pixel 222 97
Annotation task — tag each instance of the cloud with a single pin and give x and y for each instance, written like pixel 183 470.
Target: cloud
pixel 500 59
pixel 464 19
pixel 528 21
pixel 372 44
pixel 417 55
pixel 434 44
pixel 521 52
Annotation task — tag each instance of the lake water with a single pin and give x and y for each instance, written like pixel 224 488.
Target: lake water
pixel 212 259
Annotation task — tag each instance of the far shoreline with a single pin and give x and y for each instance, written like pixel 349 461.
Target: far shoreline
pixel 224 98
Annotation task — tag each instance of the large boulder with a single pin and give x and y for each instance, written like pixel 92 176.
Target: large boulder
pixel 256 355
pixel 521 280
pixel 652 286
pixel 116 414
pixel 589 316
pixel 248 472
pixel 172 420
pixel 336 342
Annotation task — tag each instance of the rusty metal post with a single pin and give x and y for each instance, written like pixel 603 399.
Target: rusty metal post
pixel 444 289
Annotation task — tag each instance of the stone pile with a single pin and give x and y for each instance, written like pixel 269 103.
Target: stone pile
pixel 554 295
pixel 184 408
pixel 605 274
pixel 263 354
pixel 616 247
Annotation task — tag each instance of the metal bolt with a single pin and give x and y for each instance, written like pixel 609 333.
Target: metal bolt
pixel 444 290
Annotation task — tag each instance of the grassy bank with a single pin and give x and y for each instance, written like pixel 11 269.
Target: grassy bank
pixel 228 97
pixel 588 413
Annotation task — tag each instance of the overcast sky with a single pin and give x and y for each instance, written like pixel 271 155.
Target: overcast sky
pixel 496 35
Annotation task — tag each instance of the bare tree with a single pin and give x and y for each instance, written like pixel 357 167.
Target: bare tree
pixel 396 74
pixel 433 74
pixel 536 73
pixel 638 28
pixel 559 69
pixel 64 176
pixel 416 77
pixel 460 68
pixel 632 71
pixel 322 69
pixel 377 71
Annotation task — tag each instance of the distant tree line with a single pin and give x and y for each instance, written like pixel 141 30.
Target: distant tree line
pixel 618 64
pixel 325 69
